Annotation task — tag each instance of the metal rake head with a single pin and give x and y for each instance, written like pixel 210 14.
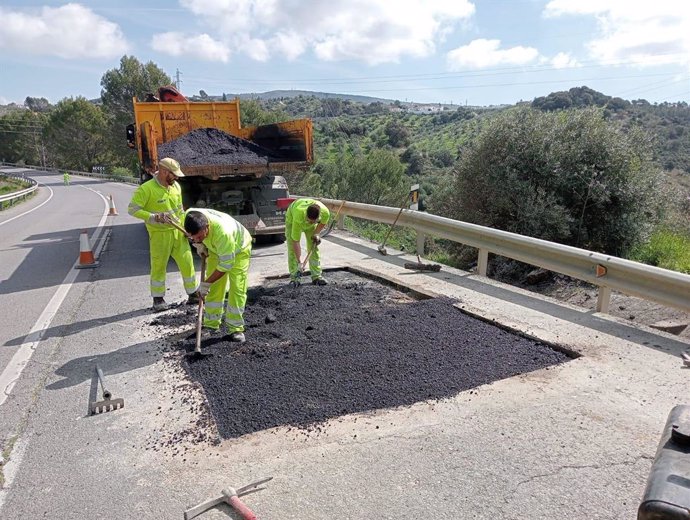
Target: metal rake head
pixel 107 405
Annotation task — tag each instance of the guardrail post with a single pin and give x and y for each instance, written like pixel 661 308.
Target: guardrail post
pixel 421 240
pixel 340 224
pixel 604 299
pixel 483 262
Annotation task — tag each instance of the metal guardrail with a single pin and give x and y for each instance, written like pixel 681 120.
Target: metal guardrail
pixel 607 272
pixel 103 176
pixel 10 198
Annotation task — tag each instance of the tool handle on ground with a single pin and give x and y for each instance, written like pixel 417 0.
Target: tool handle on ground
pixel 106 393
pixel 235 502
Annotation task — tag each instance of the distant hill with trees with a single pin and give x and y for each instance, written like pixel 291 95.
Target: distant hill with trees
pixel 577 166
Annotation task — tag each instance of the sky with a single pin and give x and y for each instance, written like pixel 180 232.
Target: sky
pixel 464 52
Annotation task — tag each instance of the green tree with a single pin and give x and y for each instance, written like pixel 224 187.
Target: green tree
pixel 21 137
pixel 131 79
pixel 76 135
pixel 253 114
pixel 118 88
pixel 569 176
pixel 37 104
pixel 397 133
pixel 374 178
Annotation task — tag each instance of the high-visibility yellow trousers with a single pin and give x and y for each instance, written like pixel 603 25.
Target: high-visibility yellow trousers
pixel 234 284
pixel 314 259
pixel 163 245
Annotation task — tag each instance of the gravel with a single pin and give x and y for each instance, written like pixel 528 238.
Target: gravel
pixel 210 146
pixel 316 353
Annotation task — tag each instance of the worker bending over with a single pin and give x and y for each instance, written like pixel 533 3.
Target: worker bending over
pixel 228 246
pixel 158 202
pixel 306 216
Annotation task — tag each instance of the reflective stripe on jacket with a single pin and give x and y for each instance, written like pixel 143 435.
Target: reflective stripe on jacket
pixel 226 237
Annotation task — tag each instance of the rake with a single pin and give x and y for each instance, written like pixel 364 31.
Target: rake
pixel 108 404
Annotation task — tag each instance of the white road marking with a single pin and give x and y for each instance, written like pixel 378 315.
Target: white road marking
pixel 10 375
pixel 33 209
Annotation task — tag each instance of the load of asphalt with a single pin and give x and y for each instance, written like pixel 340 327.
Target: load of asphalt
pixel 317 353
pixel 210 146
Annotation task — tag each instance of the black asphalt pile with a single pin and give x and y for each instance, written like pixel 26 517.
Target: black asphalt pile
pixel 210 146
pixel 316 353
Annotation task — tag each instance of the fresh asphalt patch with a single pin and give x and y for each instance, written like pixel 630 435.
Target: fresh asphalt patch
pixel 319 352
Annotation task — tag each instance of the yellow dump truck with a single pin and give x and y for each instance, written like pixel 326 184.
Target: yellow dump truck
pixel 245 178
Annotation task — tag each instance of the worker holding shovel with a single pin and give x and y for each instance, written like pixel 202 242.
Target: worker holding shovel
pixel 306 216
pixel 158 202
pixel 228 246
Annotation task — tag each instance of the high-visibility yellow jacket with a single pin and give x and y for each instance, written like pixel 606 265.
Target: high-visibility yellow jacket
pixel 151 198
pixel 296 217
pixel 226 237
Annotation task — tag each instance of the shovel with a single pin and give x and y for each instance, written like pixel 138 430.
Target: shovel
pixel 197 354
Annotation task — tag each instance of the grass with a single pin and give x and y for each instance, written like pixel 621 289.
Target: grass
pixel 667 249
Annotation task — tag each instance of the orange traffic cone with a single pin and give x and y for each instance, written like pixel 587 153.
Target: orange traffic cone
pixel 86 258
pixel 112 212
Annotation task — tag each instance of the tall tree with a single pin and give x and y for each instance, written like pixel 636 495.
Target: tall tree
pixel 76 134
pixel 21 137
pixel 119 86
pixel 131 79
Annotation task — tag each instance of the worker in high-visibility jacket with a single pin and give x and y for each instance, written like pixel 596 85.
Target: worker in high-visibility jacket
pixel 65 178
pixel 306 216
pixel 158 202
pixel 228 246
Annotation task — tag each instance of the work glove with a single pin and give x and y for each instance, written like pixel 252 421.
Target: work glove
pixel 161 218
pixel 201 249
pixel 316 239
pixel 204 288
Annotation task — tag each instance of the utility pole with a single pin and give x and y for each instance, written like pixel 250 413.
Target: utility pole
pixel 177 79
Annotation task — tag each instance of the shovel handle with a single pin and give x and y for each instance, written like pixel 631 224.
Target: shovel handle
pixel 200 315
pixel 238 505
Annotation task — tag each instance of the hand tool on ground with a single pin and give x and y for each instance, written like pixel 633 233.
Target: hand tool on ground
pixel 303 265
pixel 382 247
pixel 419 266
pixel 686 358
pixel 333 222
pixel 197 354
pixel 231 497
pixel 107 404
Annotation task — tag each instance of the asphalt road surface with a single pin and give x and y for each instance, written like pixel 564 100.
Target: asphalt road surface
pixel 575 440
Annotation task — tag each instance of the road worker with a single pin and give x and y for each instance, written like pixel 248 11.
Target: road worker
pixel 306 216
pixel 158 202
pixel 65 178
pixel 228 246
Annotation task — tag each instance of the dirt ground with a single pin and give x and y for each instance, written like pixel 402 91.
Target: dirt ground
pixel 317 353
pixel 630 308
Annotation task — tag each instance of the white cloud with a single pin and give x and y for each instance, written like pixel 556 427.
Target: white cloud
pixel 480 54
pixel 639 31
pixel 563 60
pixel 372 31
pixel 200 46
pixel 71 31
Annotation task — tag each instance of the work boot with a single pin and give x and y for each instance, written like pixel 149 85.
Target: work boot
pixel 237 337
pixel 319 281
pixel 159 303
pixel 193 299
